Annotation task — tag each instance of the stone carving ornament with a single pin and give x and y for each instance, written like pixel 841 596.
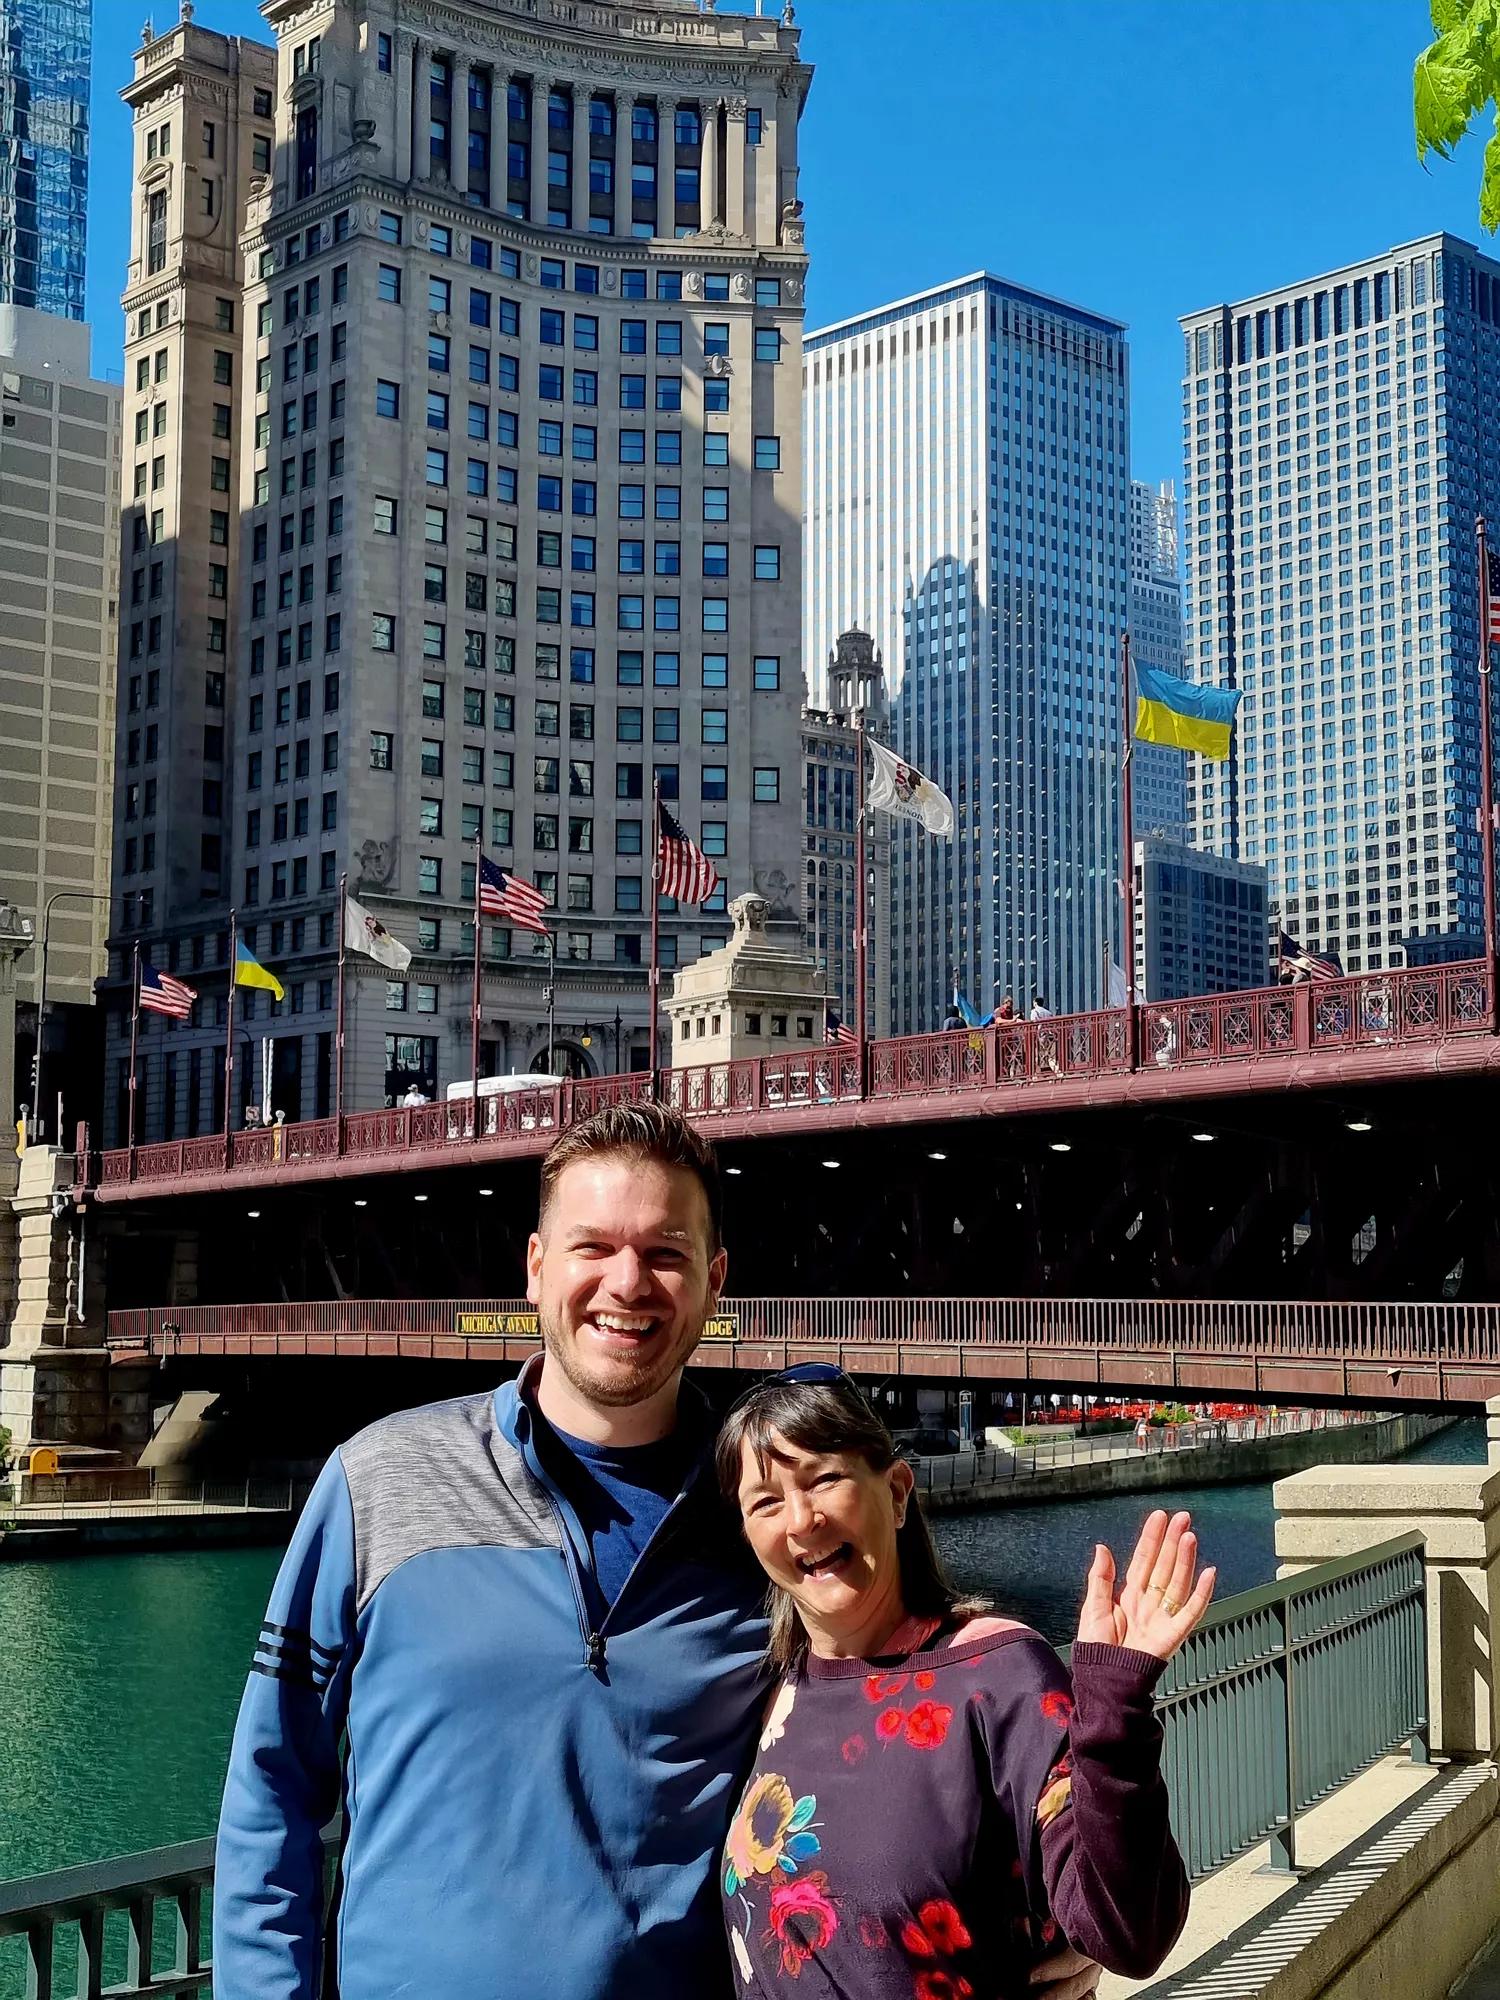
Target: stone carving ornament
pixel 375 865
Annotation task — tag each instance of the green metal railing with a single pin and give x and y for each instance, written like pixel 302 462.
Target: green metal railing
pixel 1279 1697
pixel 137 1921
pixel 1286 1692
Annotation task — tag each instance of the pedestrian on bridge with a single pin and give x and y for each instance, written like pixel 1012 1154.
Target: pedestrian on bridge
pixel 518 1645
pixel 936 1797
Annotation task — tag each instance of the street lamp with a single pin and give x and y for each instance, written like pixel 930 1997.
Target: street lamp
pixel 57 896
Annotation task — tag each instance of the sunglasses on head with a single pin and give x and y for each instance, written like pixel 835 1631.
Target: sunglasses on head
pixel 825 1373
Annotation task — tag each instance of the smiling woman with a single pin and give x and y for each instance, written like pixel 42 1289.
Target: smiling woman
pixel 935 1808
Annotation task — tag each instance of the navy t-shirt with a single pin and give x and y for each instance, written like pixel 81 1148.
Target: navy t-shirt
pixel 621 1494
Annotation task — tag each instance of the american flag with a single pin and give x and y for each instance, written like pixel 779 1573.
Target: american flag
pixel 504 895
pixel 837 1030
pixel 1493 595
pixel 686 871
pixel 1311 964
pixel 162 994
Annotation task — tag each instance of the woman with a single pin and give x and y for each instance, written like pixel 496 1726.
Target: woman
pixel 928 1808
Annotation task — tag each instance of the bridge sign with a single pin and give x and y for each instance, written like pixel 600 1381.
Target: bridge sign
pixel 512 1325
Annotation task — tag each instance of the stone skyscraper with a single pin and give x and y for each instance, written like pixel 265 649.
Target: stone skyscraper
pixel 518 413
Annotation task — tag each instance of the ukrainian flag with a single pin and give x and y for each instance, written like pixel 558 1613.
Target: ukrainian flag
pixel 1185 715
pixel 248 971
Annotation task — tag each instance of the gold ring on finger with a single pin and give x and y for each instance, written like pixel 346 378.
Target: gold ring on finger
pixel 1170 1604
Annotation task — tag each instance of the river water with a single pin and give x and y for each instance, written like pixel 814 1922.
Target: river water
pixel 120 1674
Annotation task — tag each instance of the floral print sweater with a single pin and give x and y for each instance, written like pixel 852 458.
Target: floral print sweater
pixel 929 1827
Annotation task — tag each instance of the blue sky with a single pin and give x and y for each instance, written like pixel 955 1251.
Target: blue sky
pixel 1142 157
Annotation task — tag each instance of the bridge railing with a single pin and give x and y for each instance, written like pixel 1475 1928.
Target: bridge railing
pixel 1400 1332
pixel 1406 1006
pixel 1279 1697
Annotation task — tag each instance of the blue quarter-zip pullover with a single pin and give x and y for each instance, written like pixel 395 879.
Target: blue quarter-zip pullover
pixel 536 1788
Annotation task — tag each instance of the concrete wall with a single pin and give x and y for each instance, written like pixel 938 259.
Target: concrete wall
pixel 1226 1465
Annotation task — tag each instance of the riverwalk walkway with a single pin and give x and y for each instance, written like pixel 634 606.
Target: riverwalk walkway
pixel 173 1511
pixel 1210 1453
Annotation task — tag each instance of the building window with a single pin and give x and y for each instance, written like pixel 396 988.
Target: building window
pixel 766 787
pixel 156 233
pixel 767 563
pixel 768 454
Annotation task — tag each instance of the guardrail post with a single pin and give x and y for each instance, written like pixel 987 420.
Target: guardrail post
pixel 1282 1844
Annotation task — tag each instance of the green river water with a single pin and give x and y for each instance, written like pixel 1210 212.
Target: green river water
pixel 120 1674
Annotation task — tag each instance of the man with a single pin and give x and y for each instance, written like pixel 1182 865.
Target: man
pixel 521 1638
pixel 1040 1011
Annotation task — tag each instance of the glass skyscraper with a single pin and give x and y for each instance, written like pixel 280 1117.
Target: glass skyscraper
pixel 1340 436
pixel 966 502
pixel 44 153
pixel 1159 772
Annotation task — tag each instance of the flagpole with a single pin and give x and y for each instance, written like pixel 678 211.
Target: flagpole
pixel 475 1000
pixel 229 1038
pixel 338 1037
pixel 654 977
pixel 1486 756
pixel 1127 856
pixel 135 1023
pixel 861 907
pixel 551 998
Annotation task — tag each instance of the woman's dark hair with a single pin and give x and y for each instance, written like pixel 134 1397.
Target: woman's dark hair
pixel 831 1417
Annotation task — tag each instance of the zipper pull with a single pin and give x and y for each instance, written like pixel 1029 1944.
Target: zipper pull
pixel 593 1658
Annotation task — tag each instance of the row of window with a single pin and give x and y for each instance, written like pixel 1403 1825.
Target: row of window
pixel 630 615
pixel 547 773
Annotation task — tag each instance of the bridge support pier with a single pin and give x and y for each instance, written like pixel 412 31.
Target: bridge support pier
pixel 55 1377
pixel 1335 1510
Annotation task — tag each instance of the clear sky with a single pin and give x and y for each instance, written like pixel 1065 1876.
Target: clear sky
pixel 1142 157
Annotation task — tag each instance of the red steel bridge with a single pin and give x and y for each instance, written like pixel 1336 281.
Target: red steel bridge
pixel 1290 1193
pixel 1414 1022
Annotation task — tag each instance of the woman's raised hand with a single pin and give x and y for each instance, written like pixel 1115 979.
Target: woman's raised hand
pixel 1162 1597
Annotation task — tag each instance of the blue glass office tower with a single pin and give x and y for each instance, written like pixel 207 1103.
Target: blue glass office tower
pixel 966 500
pixel 44 153
pixel 1340 436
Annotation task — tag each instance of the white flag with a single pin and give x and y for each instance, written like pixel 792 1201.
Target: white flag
pixel 901 789
pixel 1117 988
pixel 366 933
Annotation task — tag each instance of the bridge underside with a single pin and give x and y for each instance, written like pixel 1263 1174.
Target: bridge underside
pixel 1249 1197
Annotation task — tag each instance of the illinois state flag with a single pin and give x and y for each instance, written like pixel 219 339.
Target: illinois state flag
pixel 901 789
pixel 364 932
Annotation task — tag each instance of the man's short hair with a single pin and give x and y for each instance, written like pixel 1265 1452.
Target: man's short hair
pixel 642 1130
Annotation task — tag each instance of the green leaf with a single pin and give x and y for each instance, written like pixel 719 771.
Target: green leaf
pixel 802 1812
pixel 1448 87
pixel 1448 14
pixel 802 1846
pixel 1489 186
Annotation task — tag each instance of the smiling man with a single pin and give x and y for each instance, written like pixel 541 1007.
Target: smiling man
pixel 520 1638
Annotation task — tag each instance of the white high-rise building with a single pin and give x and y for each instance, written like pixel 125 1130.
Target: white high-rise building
pixel 1160 773
pixel 1341 436
pixel 966 503
pixel 513 386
